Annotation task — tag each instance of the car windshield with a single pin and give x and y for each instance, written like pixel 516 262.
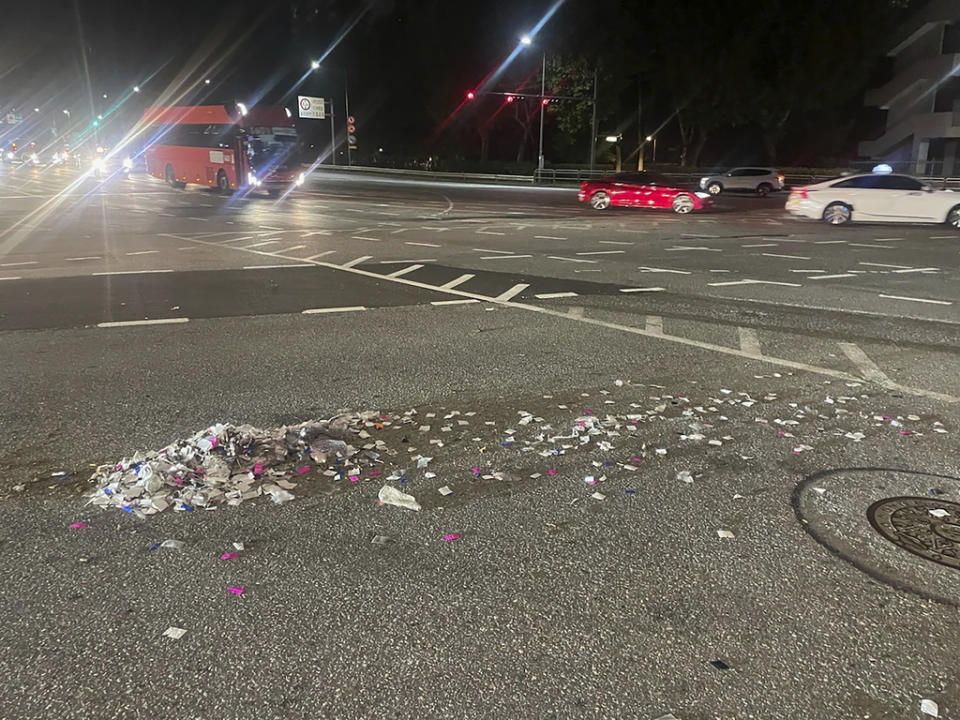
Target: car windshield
pixel 273 147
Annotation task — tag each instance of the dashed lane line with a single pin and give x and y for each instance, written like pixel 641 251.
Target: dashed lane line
pixel 916 299
pixel 131 323
pixel 915 270
pixel 602 252
pixel 406 261
pixel 885 265
pixel 143 252
pixel 759 245
pixel 324 311
pixel 507 295
pixel 641 289
pixel 614 242
pixel 644 268
pixel 88 257
pixel 14 277
pixel 271 267
pixel 463 301
pixel 423 244
pixel 829 242
pixel 573 260
pixel 748 281
pixel 404 271
pixel 496 252
pixel 552 295
pixel 788 257
pixel 870 245
pixel 357 261
pixel 503 257
pixel 830 277
pixel 457 281
pixel 365 237
pixel 548 237
pixel 688 342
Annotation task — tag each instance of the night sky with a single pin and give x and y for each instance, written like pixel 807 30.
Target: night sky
pixel 409 64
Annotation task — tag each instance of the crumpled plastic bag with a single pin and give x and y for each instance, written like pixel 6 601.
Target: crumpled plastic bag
pixel 391 496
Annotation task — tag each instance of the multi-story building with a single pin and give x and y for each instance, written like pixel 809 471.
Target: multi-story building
pixel 921 97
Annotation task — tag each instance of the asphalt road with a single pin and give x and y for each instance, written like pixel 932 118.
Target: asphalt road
pixel 132 314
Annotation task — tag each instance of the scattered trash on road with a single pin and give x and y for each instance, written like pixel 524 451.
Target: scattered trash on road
pixel 929 707
pixel 235 590
pixel 450 537
pixel 719 664
pixel 78 525
pixel 174 633
pixel 445 490
pixel 725 534
pixel 391 496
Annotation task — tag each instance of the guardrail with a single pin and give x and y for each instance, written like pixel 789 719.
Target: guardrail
pixel 427 174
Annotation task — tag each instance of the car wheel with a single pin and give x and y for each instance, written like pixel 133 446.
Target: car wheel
pixel 714 188
pixel 683 204
pixel 764 189
pixel 223 185
pixel 600 200
pixel 837 214
pixel 953 218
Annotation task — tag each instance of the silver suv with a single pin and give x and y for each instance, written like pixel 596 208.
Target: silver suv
pixel 760 180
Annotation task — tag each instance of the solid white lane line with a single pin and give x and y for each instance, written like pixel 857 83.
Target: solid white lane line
pixel 864 364
pixel 548 237
pixel 320 255
pixel 289 249
pixel 17 277
pixel 614 242
pixel 549 296
pixel 270 267
pixel 636 290
pixel 143 252
pixel 512 292
pixel 913 270
pixel 885 265
pixel 756 245
pixel 423 244
pixel 364 237
pixel 602 252
pixel 503 257
pixel 15 264
pixel 261 244
pixel 663 270
pixel 457 281
pixel 318 311
pixel 655 324
pixel 465 301
pixel 404 271
pixel 89 257
pixel 357 261
pixel 126 323
pixel 914 299
pixel 749 342
pixel 576 260
pixel 829 242
pixel 131 272
pixel 788 257
pixel 830 277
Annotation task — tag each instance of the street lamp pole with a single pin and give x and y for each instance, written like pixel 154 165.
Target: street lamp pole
pixel 543 95
pixel 593 123
pixel 346 102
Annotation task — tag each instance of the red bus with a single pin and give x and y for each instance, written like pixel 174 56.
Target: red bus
pixel 224 147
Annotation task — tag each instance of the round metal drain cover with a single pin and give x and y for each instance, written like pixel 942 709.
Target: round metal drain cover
pixel 926 527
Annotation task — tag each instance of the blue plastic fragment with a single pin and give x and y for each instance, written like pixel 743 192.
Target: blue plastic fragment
pixel 506 443
pixel 126 508
pixel 629 492
pixel 607 463
pixel 186 507
pixel 154 546
pixel 107 491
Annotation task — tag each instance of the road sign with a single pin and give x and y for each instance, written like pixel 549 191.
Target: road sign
pixel 351 129
pixel 352 140
pixel 311 107
pixel 351 119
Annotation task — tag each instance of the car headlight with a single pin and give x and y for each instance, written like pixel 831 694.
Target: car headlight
pixel 98 164
pixel 128 164
pixel 702 196
pixel 301 178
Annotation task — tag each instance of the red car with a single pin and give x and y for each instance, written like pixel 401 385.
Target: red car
pixel 641 189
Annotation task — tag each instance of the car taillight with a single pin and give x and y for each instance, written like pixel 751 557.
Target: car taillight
pixel 800 193
pixel 583 185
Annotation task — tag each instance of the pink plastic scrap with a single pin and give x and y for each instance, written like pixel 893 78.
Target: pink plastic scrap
pixel 235 590
pixel 257 468
pixel 302 470
pixel 451 536
pixel 78 525
pixel 552 471
pixel 228 556
pixel 354 478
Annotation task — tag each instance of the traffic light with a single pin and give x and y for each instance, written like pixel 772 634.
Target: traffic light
pixel 510 98
pixel 471 95
pixel 545 101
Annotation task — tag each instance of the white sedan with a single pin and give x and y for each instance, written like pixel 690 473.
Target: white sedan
pixel 875 197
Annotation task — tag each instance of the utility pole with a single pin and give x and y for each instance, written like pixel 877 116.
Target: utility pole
pixel 640 134
pixel 333 136
pixel 346 100
pixel 593 123
pixel 543 96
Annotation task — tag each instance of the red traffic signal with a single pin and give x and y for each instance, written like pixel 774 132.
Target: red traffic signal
pixel 510 98
pixel 545 101
pixel 471 95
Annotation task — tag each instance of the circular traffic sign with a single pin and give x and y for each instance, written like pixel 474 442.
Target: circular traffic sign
pixel 351 128
pixel 304 103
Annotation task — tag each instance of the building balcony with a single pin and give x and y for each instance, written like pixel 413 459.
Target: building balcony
pixel 920 127
pixel 929 71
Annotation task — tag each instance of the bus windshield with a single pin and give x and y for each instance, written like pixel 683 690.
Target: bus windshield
pixel 272 148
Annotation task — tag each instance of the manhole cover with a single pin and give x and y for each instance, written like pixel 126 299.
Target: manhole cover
pixel 926 527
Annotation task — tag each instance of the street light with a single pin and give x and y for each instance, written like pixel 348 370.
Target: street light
pixel 207 81
pixel 104 96
pixel 36 109
pixel 314 65
pixel 136 88
pixel 67 113
pixel 653 139
pixel 526 40
pixel 615 139
pixel 612 138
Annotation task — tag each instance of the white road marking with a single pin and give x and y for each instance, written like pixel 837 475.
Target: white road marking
pixel 423 244
pixel 614 242
pixel 320 255
pixel 188 248
pixel 885 265
pixel 127 323
pixel 512 292
pixel 864 364
pixel 269 227
pixel 489 232
pixel 602 252
pixel 943 237
pixel 636 290
pixel 749 342
pixel 550 296
pixel 756 245
pixel 289 249
pixel 499 252
pixel 548 237
pixel 233 240
pixel 830 277
pixel 794 270
pixel 26 262
pixel 357 261
pixel 404 271
pixel 270 267
pixel 753 282
pixel 503 257
pixel 644 268
pixel 919 300
pixel 829 242
pixel 457 281
pixel 406 260
pixel 575 260
pixel 10 278
pixel 655 324
pixel 913 270
pixel 131 272
pixel 882 247
pixel 261 244
pixel 315 232
pixel 198 219
pixel 89 257
pixel 684 248
pixel 788 257
pixel 318 311
pixel 888 239
pixel 464 301
pixel 143 252
pixel 687 235
pixel 364 237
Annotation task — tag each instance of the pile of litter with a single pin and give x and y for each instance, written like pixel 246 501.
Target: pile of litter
pixel 227 464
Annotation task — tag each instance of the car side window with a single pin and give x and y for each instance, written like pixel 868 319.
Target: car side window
pixel 899 182
pixel 737 172
pixel 866 181
pixel 758 172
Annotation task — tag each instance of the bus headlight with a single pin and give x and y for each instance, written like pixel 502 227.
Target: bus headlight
pixel 98 164
pixel 301 178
